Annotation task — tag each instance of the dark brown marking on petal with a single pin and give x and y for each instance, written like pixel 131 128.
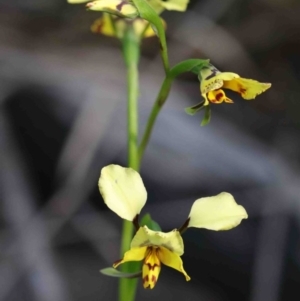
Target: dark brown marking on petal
pixel 119 6
pixel 184 226
pixel 99 27
pixel 152 267
pixel 219 96
pixel 242 90
pixel 146 278
pixel 153 279
pixel 214 73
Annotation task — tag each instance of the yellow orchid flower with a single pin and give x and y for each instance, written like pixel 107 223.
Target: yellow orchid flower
pixel 126 8
pixel 114 26
pixel 124 193
pixel 212 83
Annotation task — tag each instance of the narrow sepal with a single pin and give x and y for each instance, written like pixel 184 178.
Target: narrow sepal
pixel 194 109
pixel 207 115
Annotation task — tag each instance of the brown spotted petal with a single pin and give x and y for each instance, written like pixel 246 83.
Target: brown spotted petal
pixel 151 268
pixel 116 7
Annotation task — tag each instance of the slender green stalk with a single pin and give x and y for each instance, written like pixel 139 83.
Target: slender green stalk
pixel 131 52
pixel 191 65
pixel 159 102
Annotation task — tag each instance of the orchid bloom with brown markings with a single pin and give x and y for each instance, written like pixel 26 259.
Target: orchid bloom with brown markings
pixel 124 193
pixel 127 9
pixel 212 83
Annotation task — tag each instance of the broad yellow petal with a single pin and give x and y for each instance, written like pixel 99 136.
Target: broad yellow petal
pixel 170 240
pixel 248 88
pixel 151 268
pixel 134 254
pixel 172 260
pixel 117 7
pixel 123 190
pixel 219 212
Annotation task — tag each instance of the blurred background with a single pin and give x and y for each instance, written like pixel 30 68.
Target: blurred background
pixel 63 110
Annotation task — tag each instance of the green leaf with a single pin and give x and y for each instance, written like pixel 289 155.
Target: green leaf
pixel 207 114
pixel 148 13
pixel 194 109
pixel 116 273
pixel 150 223
pixel 191 65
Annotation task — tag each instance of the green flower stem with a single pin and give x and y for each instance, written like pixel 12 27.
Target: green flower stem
pixel 191 65
pixel 131 52
pixel 159 102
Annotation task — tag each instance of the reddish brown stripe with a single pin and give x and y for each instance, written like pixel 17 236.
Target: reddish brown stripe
pixel 152 267
pixel 153 279
pixel 146 278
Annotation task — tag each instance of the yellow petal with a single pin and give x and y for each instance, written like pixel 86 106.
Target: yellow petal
pixel 151 268
pixel 212 79
pixel 77 1
pixel 160 5
pixel 219 212
pixel 179 5
pixel 144 29
pixel 135 254
pixel 109 25
pixel 117 7
pixel 170 240
pixel 104 26
pixel 172 260
pixel 248 88
pixel 123 190
pixel 215 82
pixel 142 26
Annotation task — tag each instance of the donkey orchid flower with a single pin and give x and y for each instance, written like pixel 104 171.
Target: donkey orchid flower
pixel 124 193
pixel 212 83
pixel 126 8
